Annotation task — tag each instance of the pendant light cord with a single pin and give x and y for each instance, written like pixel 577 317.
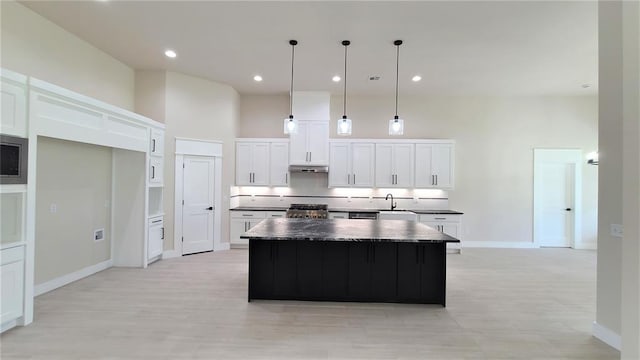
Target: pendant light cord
pixel 293 53
pixel 397 73
pixel 344 102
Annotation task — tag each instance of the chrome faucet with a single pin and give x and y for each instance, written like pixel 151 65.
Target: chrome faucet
pixel 393 206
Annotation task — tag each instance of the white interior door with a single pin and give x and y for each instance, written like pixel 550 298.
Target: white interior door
pixel 555 204
pixel 198 207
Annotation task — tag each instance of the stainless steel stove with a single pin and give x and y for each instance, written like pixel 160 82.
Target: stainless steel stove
pixel 308 211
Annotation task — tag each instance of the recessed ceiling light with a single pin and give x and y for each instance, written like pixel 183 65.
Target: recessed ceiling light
pixel 257 78
pixel 416 78
pixel 336 78
pixel 170 54
pixel 586 86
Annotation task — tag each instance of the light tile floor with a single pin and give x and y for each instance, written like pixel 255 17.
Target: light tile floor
pixel 501 304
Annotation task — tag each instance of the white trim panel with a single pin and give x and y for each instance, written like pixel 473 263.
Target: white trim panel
pixel 607 336
pixel 198 147
pixel 69 278
pixel 498 244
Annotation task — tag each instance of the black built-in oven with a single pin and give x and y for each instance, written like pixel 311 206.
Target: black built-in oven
pixel 13 159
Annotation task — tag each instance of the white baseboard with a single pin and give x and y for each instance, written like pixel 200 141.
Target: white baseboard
pixel 170 254
pixel 69 278
pixel 498 244
pixel 221 246
pixel 607 336
pixel 8 325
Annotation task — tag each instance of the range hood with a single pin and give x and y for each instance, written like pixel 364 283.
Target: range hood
pixel 308 169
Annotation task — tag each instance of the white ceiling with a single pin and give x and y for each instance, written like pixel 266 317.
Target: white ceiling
pixel 497 48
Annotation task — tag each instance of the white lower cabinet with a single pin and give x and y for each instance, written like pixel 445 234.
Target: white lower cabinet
pixel 12 285
pixel 448 224
pixel 338 215
pixel 241 221
pixel 156 237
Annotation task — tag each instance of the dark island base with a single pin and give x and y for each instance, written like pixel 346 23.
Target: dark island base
pixel 361 271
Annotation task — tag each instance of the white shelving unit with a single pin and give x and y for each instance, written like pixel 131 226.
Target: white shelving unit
pixel 33 108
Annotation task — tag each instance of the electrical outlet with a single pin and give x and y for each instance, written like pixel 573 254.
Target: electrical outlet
pixel 370 198
pixel 98 234
pixel 617 230
pixel 415 199
pixel 253 197
pixel 348 198
pixel 281 197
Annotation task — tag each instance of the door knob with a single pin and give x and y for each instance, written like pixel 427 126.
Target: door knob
pixel 567 209
pixel 209 208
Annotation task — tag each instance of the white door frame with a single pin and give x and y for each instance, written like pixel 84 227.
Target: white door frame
pixel 195 147
pixel 566 156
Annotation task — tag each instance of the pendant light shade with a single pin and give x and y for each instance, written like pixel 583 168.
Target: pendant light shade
pixel 344 124
pixel 291 124
pixel 396 125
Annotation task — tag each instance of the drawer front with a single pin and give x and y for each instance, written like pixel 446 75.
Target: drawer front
pixel 276 214
pixel 11 255
pixel 248 214
pixel 338 215
pixel 440 218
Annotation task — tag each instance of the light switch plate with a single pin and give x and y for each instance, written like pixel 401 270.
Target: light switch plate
pixel 617 230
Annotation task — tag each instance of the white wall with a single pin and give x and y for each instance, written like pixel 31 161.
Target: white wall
pixel 198 109
pixel 631 181
pixel 495 138
pixel 610 192
pixel 76 179
pixel 151 93
pixel 35 46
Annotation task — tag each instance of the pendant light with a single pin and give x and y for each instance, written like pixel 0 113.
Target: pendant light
pixel 396 125
pixel 291 124
pixel 344 124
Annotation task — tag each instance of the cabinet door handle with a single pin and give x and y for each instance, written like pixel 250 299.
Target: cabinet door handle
pixel 309 156
pixel 153 146
pixel 440 218
pixel 286 178
pixel 153 172
pixel 348 178
pixel 354 179
pixel 436 179
pixel 247 215
pixel 433 179
pixel 162 238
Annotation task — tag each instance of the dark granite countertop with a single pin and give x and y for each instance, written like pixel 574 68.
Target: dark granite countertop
pixel 437 212
pixel 338 209
pixel 345 230
pixel 260 208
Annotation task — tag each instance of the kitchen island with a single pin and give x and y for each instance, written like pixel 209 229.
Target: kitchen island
pixel 347 260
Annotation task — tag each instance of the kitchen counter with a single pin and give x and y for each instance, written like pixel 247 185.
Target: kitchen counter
pixel 345 230
pixel 340 209
pixel 347 260
pixel 259 208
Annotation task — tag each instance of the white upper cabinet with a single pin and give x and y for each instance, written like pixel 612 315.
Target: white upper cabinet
pixel 262 162
pixel 279 164
pixel 351 164
pixel 156 147
pixel 310 145
pixel 14 104
pixel 394 165
pixel 252 163
pixel 434 166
